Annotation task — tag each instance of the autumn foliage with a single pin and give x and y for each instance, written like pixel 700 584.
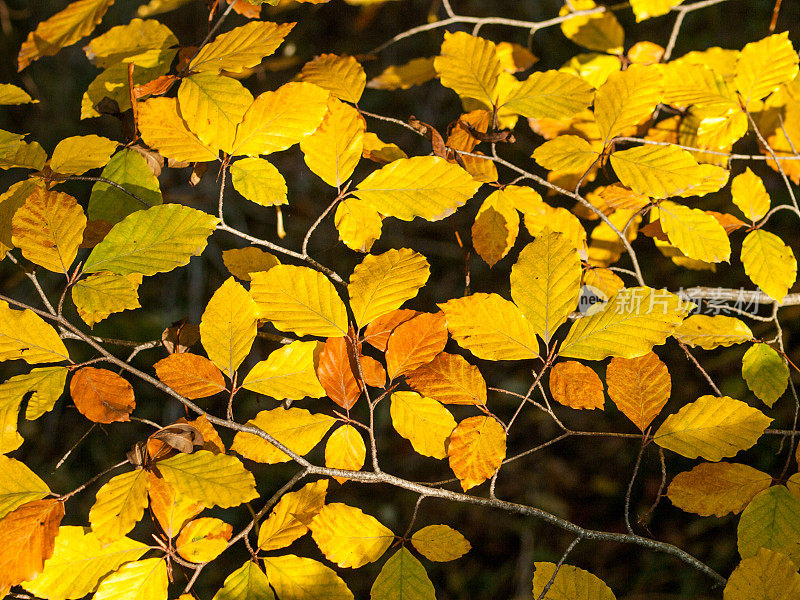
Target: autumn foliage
pixel 593 209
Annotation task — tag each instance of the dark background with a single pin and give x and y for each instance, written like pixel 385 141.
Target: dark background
pixel 581 479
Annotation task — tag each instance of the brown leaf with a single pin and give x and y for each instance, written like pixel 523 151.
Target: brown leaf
pixel 460 136
pixel 416 343
pixel 430 133
pixel 27 538
pixel 156 87
pixel 378 332
pixel 640 387
pixel 728 221
pixel 577 386
pixel 102 396
pixel 94 233
pixel 179 336
pixel 180 436
pixel 190 375
pixel 336 375
pixel 654 230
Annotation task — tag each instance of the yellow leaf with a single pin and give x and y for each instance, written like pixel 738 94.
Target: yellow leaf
pixel 469 65
pixel 119 505
pixel 348 537
pixel 645 9
pixel 11 94
pixel 27 537
pixel 78 154
pixel 295 578
pixel 769 263
pixel 658 171
pixel 152 241
pixel 402 577
pixel 545 282
pixel 103 294
pixel 605 280
pixel 48 229
pixel 551 95
pixel 570 583
pixel 422 186
pixel 243 262
pixel 170 509
pixel 750 195
pixel 295 428
pixel 423 422
pixel 290 518
pixel 476 450
pixel 228 326
pixel 202 540
pixel 213 106
pixel 299 299
pixel 695 233
pixel 771 521
pixel 23 334
pixel 711 427
pixel 449 379
pixel 764 66
pixel 717 488
pixel 401 77
pixel 143 43
pixel 640 387
pixel 10 202
pixel 64 28
pixel 113 83
pixel 346 450
pixel 559 220
pixel 359 225
pixel 495 229
pixel 277 120
pixel 241 48
pixel 629 325
pixel 129 169
pixel 334 149
pixel 248 582
pixel 491 327
pixel 592 67
pixel 343 76
pixel 515 58
pixel 568 153
pixel 596 32
pixel 767 575
pixel 626 99
pixel 288 372
pixel 382 283
pixel 577 386
pixel 211 479
pixel 765 372
pixel 138 580
pixel 156 7
pixel 379 151
pixel 440 543
pixel 79 561
pixel 47 385
pixel 709 332
pixel 259 181
pixel 18 485
pixel 165 130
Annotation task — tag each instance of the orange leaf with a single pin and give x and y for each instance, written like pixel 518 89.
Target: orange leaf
pixel 373 372
pixel 335 373
pixel 640 387
pixel 156 87
pixel 211 440
pixel 102 396
pixel 190 375
pixel 246 9
pixel 476 450
pixel 416 343
pixel 27 539
pixel 377 333
pixel 171 510
pixel 450 379
pixel 576 385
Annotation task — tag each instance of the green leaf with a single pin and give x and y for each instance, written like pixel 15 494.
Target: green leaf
pixel 102 294
pixel 129 169
pixel 211 479
pixel 152 241
pixel 248 582
pixel 772 521
pixel 549 95
pixel 570 583
pixel 402 577
pixel 765 372
pixel 769 263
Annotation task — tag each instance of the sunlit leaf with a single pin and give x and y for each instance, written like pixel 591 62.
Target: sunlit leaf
pixel 138 580
pixel 449 379
pixel 18 485
pixel 626 98
pixel 248 582
pixel 343 76
pixel 163 128
pixel 170 509
pixel 764 65
pixel 243 262
pixel 765 372
pixel 202 540
pixel 295 578
pixel 346 450
pixel 709 332
pixel 101 395
pixel 469 65
pixel 10 202
pixel 766 575
pixel 771 521
pixel 27 539
pixel 288 372
pixel 228 326
pixel 259 181
pixel 151 241
pixel 358 223
pixel 349 537
pixel 769 263
pixel 290 518
pixel 337 374
pixel 241 48
pixel 422 186
pixel 440 543
pixel 401 77
pixel 11 94
pixel 119 506
pixel 423 422
pixel 600 32
pixel 190 375
pixel 139 42
pixel 646 9
pixel 577 386
pixel 415 343
pixel 717 488
pixel 569 153
pixel 640 387
pixel 495 229
pixel 750 195
pixel 476 450
pixel 570 583
pixel 658 171
pixel 694 232
pixel 102 294
pixel 334 149
pixel 402 577
pixel 295 428
pixel 550 95
pixel 25 335
pixel 379 151
pixel 711 427
pixel 299 299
